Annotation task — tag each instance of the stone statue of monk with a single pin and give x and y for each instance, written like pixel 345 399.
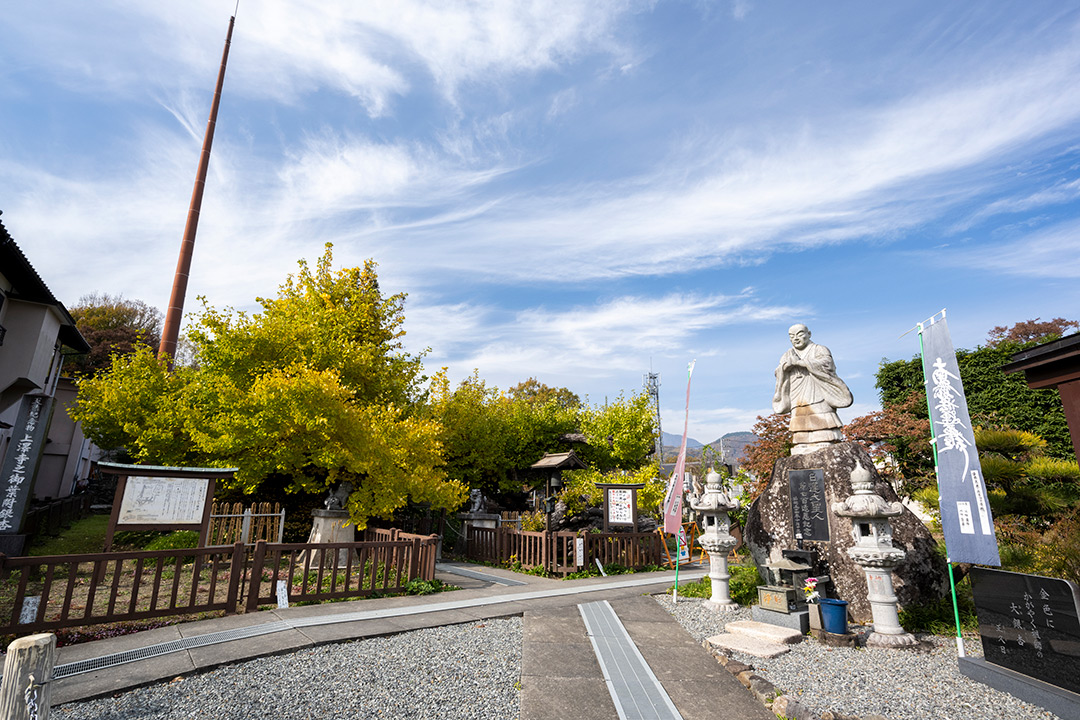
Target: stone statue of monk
pixel 808 388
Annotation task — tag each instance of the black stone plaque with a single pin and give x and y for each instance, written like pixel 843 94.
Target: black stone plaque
pixel 19 468
pixel 1029 624
pixel 809 510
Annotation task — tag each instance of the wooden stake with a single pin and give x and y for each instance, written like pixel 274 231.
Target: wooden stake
pixel 25 690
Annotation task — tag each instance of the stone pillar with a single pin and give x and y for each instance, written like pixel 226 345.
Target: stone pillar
pixel 713 507
pixel 873 551
pixel 332 525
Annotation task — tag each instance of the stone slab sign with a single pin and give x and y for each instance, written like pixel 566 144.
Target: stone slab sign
pixel 771 528
pixel 809 513
pixel 28 438
pixel 1029 624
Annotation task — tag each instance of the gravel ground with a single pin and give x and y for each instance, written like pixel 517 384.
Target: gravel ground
pixel 898 684
pixel 466 672
pixel 473 670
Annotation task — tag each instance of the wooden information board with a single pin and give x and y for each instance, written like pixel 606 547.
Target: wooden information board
pixel 162 498
pixel 620 503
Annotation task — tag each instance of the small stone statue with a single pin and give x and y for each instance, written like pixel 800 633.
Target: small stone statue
pixel 807 386
pixel 338 496
pixel 476 501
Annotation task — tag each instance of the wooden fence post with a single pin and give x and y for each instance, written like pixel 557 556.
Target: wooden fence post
pixel 256 576
pixel 236 572
pixel 25 690
pixel 414 561
pixel 432 552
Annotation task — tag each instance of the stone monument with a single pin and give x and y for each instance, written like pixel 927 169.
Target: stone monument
pixel 713 506
pixel 797 508
pixel 807 387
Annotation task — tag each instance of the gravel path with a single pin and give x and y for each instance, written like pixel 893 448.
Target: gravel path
pixel 466 672
pixel 898 684
pixel 473 670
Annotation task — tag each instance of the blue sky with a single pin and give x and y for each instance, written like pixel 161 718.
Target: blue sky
pixel 572 191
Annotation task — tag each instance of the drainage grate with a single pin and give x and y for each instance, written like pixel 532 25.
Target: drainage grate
pixel 634 689
pixel 114 659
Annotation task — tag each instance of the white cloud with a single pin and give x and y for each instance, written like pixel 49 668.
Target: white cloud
pixel 1058 193
pixel 285 49
pixel 602 340
pixel 1050 253
pixel 869 175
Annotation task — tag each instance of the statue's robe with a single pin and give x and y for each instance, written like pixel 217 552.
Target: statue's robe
pixel 811 394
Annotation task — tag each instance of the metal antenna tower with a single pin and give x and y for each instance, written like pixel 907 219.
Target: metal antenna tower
pixel 652 386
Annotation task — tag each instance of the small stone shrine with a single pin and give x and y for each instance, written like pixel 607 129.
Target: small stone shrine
pixel 332 525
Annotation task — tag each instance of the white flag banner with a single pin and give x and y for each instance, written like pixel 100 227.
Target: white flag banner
pixel 965 510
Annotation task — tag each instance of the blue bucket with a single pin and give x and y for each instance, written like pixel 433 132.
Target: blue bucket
pixel 834 615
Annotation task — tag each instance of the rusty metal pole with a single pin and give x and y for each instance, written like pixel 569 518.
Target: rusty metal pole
pixel 171 332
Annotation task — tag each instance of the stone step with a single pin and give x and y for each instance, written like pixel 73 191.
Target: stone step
pixel 748 645
pixel 764 631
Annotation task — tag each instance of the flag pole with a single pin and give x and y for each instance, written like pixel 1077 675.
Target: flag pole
pixel 675 590
pixel 673 501
pixel 174 314
pixel 937 474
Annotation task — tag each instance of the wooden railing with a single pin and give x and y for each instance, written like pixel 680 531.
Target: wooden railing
pixel 50 592
pixel 329 571
pixel 556 552
pixel 56 591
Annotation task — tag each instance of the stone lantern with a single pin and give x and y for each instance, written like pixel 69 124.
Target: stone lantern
pixel 873 551
pixel 713 507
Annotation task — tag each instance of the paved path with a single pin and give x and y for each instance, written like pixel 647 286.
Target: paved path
pixel 561 675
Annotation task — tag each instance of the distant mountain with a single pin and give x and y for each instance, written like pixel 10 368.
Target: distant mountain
pixel 673 440
pixel 734 444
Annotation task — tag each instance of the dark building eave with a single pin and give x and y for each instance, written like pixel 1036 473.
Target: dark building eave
pixel 27 286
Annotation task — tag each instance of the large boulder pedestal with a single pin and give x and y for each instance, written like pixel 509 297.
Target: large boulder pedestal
pixel 920 577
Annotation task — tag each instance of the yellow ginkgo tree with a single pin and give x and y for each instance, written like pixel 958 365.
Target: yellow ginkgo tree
pixel 315 388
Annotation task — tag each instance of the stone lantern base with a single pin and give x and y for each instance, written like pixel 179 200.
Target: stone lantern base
pixel 881 640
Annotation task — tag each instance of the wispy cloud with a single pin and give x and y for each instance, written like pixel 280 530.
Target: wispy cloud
pixel 1049 253
pixel 1057 194
pixel 290 48
pixel 599 340
pixel 880 172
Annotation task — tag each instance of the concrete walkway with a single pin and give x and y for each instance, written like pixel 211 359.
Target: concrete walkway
pixel 553 686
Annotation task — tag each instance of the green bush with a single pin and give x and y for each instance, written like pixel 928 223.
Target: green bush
pixel 742 586
pixel 175 541
pixel 427 587
pixel 936 616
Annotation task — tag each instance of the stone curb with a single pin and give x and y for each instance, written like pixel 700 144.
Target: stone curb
pixel 784 706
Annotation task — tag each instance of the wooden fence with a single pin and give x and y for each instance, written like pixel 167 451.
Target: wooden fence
pixel 39 594
pixel 49 519
pixel 557 551
pixel 234 523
